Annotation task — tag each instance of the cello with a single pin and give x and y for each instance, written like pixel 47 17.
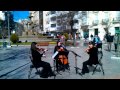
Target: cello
pixel 62 57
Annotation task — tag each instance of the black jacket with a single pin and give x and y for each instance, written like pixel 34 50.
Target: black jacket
pixel 36 57
pixel 93 55
pixel 109 38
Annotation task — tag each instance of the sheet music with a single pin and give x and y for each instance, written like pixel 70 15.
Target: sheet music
pixel 54 55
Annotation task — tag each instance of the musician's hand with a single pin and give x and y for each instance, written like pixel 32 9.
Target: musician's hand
pixel 46 50
pixel 61 48
pixel 87 50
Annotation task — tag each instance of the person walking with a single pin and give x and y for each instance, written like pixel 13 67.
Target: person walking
pixel 91 37
pixel 115 39
pixel 109 41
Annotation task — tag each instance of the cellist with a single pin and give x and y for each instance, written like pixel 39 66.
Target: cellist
pixel 62 57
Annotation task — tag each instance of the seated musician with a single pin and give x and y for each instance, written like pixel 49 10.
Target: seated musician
pixel 37 62
pixel 93 57
pixel 62 57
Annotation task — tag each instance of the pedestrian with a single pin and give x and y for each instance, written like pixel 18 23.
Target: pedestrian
pixel 109 41
pixel 62 39
pixel 79 36
pixel 115 40
pixel 93 57
pixel 86 36
pixel 91 37
pixel 97 41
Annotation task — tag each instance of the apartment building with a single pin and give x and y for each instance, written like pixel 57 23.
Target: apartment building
pixel 89 22
pixel 56 21
pixel 36 21
pixel 100 21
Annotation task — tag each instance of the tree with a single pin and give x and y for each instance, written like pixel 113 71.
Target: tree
pixel 71 15
pixel 108 24
pixel 14 38
pixel 2 31
pixel 9 15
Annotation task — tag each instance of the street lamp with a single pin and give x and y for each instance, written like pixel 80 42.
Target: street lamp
pixel 8 14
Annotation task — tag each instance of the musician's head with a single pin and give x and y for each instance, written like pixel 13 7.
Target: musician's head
pixel 33 46
pixel 91 44
pixel 59 43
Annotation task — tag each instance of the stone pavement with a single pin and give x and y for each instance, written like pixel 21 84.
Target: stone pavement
pixel 15 62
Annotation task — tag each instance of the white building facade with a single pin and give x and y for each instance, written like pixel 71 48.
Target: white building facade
pixel 89 22
pixel 55 21
pixel 99 20
pixel 96 22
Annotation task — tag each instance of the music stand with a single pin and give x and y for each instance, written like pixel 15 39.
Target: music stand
pixel 76 68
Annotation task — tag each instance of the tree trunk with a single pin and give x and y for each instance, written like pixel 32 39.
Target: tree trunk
pixel 74 39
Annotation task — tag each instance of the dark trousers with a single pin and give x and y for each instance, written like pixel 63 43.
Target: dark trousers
pixel 58 64
pixel 46 67
pixel 115 47
pixel 109 46
pixel 61 66
pixel 85 68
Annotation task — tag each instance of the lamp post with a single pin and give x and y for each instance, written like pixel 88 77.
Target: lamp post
pixel 8 14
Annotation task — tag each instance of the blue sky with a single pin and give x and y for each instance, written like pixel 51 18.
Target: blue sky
pixel 20 15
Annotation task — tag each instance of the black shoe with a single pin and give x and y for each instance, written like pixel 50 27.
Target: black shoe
pixel 87 71
pixel 52 74
pixel 38 73
pixel 82 73
pixel 44 76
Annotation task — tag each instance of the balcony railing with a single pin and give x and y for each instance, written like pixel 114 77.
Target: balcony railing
pixel 105 21
pixel 95 22
pixel 116 20
pixel 53 19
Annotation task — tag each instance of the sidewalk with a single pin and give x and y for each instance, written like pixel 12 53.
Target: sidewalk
pixel 19 56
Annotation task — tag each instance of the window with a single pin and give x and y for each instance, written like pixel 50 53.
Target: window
pixel 75 21
pixel 84 12
pixel 53 12
pixel 53 25
pixel 106 15
pixel 53 18
pixel 118 13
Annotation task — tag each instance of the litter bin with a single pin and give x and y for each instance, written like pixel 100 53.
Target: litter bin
pixel 4 44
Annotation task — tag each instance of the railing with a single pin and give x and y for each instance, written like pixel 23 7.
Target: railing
pixel 105 21
pixel 95 23
pixel 116 20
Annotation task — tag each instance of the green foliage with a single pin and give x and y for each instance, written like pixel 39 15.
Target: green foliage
pixel 66 36
pixel 14 38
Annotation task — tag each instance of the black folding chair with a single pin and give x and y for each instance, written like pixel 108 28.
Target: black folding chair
pixel 32 66
pixel 100 55
pixel 59 66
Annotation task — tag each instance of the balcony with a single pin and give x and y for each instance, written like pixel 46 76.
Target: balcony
pixel 53 18
pixel 95 23
pixel 105 21
pixel 59 27
pixel 116 20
